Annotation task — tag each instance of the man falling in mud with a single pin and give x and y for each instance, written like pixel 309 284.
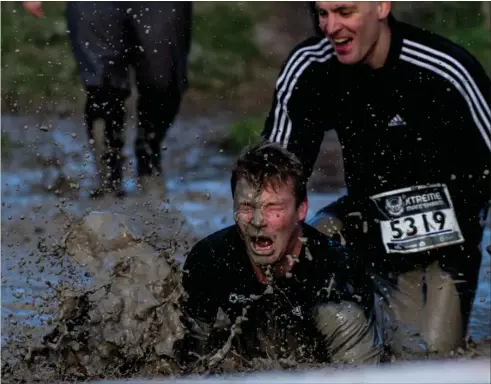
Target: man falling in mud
pixel 107 38
pixel 293 292
pixel 412 112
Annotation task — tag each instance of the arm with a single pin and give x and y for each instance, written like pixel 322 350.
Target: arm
pixel 474 110
pixel 294 117
pixel 349 336
pixel 200 303
pixel 344 314
pixel 479 104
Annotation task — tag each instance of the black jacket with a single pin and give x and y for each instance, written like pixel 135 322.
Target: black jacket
pixel 422 119
pixel 218 274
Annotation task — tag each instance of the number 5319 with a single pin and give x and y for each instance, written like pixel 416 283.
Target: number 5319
pixel 417 224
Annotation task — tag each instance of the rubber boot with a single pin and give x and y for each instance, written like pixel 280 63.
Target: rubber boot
pixel 109 163
pixel 105 113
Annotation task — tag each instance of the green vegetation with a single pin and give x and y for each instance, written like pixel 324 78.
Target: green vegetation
pixel 37 63
pixel 223 50
pixel 462 22
pixel 243 133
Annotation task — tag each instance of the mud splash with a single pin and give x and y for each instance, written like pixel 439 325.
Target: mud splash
pixel 124 318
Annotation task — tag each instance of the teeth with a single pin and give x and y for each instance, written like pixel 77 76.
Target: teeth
pixel 340 41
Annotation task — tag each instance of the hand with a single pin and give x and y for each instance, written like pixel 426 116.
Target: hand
pixel 34 8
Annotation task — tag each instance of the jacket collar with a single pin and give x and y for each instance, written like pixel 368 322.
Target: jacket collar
pixel 395 42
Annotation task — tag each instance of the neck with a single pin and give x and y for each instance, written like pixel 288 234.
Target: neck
pixel 284 264
pixel 380 51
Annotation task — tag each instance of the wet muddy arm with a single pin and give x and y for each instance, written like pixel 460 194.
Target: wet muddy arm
pixel 344 314
pixel 349 337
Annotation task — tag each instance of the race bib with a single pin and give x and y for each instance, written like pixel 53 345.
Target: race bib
pixel 417 219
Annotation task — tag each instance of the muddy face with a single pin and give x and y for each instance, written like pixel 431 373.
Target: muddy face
pixel 268 219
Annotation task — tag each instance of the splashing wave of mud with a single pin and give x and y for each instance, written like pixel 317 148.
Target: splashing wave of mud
pixel 125 321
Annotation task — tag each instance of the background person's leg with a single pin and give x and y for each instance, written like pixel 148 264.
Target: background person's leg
pixel 105 111
pixel 98 44
pixel 163 32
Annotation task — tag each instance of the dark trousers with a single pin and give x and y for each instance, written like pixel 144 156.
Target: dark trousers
pixel 152 37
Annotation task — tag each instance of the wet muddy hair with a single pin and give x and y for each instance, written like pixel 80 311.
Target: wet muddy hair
pixel 269 164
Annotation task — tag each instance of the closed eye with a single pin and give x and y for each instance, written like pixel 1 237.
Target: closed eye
pixel 275 207
pixel 245 207
pixel 345 11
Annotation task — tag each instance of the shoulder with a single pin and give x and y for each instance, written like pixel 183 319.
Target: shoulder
pixel 440 55
pixel 304 58
pixel 209 251
pixel 324 249
pixel 313 46
pixel 330 255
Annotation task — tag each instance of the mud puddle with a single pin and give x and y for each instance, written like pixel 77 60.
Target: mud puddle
pixel 45 182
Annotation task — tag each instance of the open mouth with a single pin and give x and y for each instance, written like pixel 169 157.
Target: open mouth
pixel 342 41
pixel 262 245
pixel 343 44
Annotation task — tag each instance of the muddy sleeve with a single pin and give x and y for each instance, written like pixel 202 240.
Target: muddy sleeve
pixel 352 279
pixel 293 120
pixel 199 277
pixel 349 336
pixel 344 314
pixel 200 302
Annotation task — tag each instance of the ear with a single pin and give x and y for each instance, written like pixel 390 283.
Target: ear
pixel 303 209
pixel 383 9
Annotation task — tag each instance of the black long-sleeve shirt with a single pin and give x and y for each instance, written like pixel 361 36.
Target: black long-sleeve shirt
pixel 423 119
pixel 219 274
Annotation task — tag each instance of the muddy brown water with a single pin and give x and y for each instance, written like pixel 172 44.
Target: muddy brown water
pixel 46 177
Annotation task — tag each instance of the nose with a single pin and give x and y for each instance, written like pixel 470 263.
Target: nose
pixel 257 219
pixel 331 25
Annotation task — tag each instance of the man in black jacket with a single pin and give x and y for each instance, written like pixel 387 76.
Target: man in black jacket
pixel 293 291
pixel 412 113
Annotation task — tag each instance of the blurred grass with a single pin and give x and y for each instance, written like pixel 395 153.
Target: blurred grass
pixel 463 22
pixel 223 51
pixel 242 133
pixel 37 63
pixel 460 21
